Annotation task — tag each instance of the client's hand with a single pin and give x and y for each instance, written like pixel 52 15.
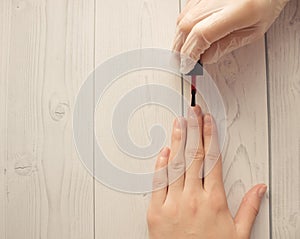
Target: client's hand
pixel 184 206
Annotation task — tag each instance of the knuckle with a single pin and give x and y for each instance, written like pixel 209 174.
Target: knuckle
pixel 195 153
pixel 198 31
pixel 177 165
pixel 203 37
pixel 176 135
pixel 254 7
pixel 184 25
pixel 217 200
pixel 172 211
pixel 250 5
pixel 193 205
pixel 211 155
pixel 178 20
pixel 260 33
pixel 153 218
pixel 199 154
pixel 159 183
pixel 195 124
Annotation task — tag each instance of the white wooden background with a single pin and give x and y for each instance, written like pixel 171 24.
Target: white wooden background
pixel 47 50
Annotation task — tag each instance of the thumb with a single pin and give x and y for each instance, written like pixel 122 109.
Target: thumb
pixel 249 209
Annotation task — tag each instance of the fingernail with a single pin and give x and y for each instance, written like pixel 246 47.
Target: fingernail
pixel 261 191
pixel 187 64
pixel 177 123
pixel 194 112
pixel 164 152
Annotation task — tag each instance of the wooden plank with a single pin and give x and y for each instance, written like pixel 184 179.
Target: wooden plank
pixel 4 61
pixel 69 60
pixel 122 26
pixel 49 193
pixel 283 42
pixel 24 191
pixel 241 80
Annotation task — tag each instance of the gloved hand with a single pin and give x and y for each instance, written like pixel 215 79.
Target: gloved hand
pixel 212 28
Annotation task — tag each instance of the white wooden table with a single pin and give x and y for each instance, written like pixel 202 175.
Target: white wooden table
pixel 47 50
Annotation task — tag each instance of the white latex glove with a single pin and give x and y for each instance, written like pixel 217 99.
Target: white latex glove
pixel 212 28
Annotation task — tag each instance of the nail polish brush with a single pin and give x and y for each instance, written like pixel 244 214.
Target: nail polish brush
pixel 197 71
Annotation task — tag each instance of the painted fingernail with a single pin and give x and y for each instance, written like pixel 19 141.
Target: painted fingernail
pixel 261 191
pixel 194 112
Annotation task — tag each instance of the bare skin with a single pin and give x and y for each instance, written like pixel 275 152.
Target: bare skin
pixel 189 207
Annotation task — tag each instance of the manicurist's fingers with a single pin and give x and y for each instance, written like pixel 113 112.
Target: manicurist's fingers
pixel 194 12
pixel 209 30
pixel 160 179
pixel 176 166
pixel 194 151
pixel 228 44
pixel 189 5
pixel 183 29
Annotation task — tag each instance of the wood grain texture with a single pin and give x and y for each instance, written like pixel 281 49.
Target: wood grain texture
pixel 47 51
pixel 283 41
pixel 122 26
pixel 24 190
pixel 5 15
pixel 68 61
pixel 50 52
pixel 241 80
